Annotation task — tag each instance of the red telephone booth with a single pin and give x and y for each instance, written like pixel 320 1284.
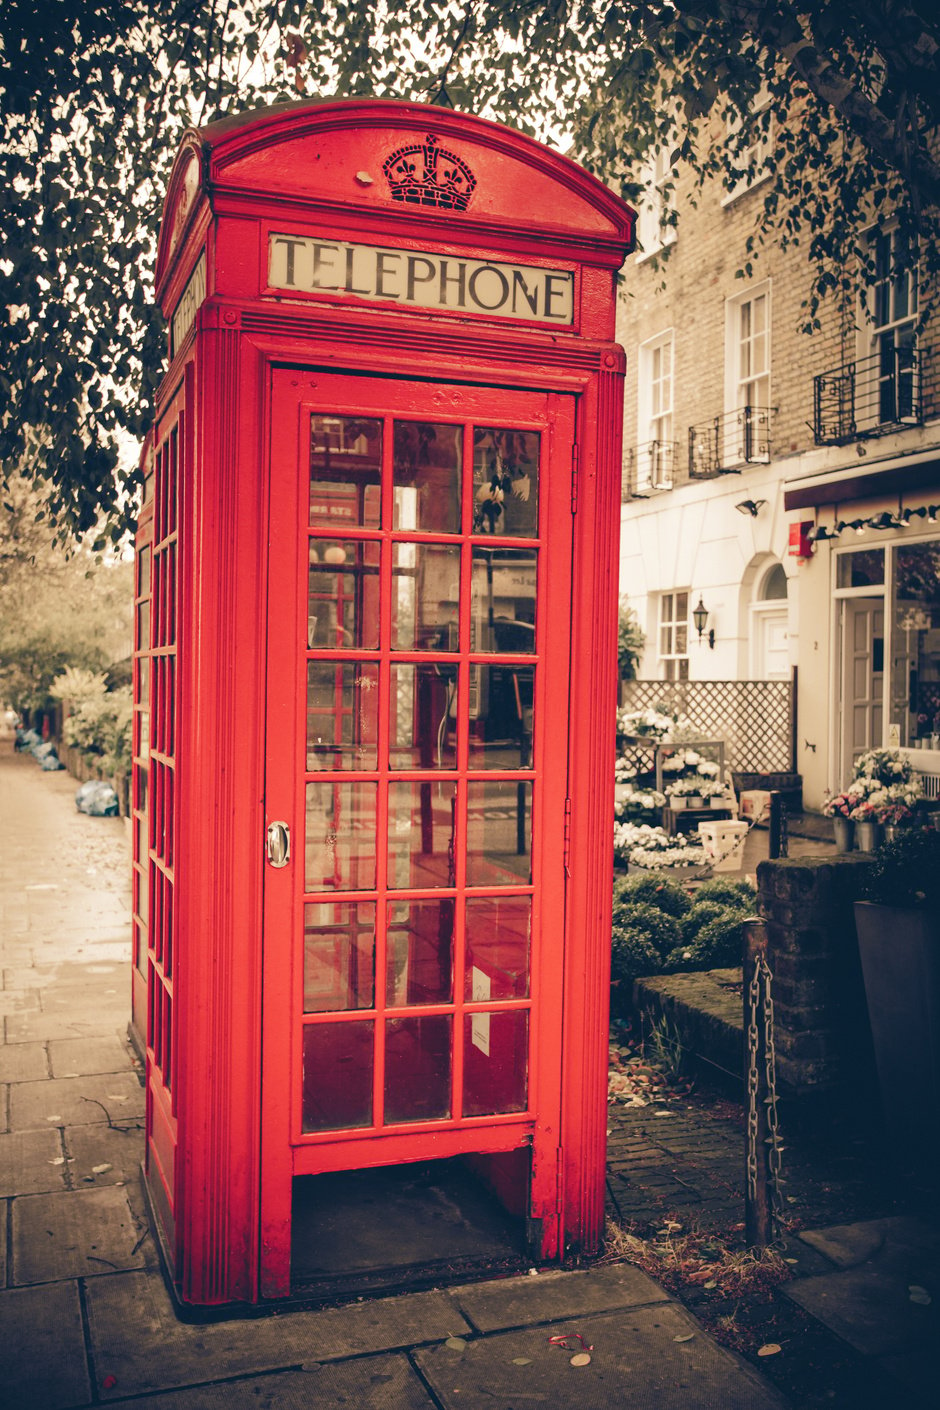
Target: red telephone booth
pixel 376 670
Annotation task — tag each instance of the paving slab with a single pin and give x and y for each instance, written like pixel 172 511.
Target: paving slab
pixel 83 1057
pixel 78 1233
pixel 520 1302
pixel 375 1383
pixel 637 1361
pixel 23 1062
pixel 40 1027
pixel 77 1101
pixel 870 1307
pixel 89 1148
pixel 20 1001
pixel 42 1350
pixel 848 1245
pixel 136 1338
pixel 31 1163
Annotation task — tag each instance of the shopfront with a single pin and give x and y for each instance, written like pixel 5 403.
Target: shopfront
pixel 376 674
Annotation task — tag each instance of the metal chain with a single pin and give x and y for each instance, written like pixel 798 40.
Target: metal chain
pixel 753 1003
pixel 759 988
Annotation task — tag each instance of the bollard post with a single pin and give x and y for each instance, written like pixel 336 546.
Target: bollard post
pixel 778 826
pixel 758 1220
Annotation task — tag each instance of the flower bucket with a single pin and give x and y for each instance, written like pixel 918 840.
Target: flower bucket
pixel 716 801
pixel 867 836
pixel 844 832
pixel 694 800
pixel 677 802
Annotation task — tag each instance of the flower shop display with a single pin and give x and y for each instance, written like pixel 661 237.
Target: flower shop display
pixel 652 847
pixel 882 791
pixel 654 724
pixel 637 805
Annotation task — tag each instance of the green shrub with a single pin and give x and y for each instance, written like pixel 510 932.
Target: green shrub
pixel 728 892
pixel 718 945
pixel 632 954
pixel 906 872
pixel 652 889
pixel 701 913
pixel 661 930
pixel 102 727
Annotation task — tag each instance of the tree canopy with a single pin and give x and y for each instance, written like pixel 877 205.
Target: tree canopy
pixel 95 95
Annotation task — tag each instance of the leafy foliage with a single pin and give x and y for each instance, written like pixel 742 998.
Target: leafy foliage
pixel 906 872
pixel 102 727
pixel 630 641
pixel 95 97
pixel 651 889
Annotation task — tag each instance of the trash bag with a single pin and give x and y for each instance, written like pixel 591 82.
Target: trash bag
pixel 50 762
pixel 97 798
pixel 42 750
pixel 26 738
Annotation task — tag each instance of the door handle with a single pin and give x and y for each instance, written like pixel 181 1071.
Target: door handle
pixel 278 844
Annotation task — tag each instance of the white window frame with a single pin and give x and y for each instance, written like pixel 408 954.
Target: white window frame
pixel 748 353
pixel 885 322
pixel 758 152
pixel 671 628
pixel 655 425
pixel 653 235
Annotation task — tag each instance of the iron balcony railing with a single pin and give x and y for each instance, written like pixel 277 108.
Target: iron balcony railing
pixel 726 443
pixel 868 397
pixel 649 469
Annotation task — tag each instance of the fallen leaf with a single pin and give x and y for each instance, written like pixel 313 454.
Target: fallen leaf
pixel 710 1284
pixel 100 1169
pixel 768 1349
pixel 59 1160
pixel 581 1359
pixel 919 1295
pixel 456 1344
pixel 689 1336
pixel 522 1360
pixel 53 1118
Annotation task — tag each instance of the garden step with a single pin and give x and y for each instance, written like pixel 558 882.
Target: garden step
pixel 701 1011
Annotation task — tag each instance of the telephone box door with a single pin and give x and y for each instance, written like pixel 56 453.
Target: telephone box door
pixel 418 659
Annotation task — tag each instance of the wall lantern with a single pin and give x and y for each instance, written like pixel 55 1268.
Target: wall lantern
pixel 699 618
pixel 750 506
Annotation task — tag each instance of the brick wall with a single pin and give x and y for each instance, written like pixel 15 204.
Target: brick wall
pixel 820 1019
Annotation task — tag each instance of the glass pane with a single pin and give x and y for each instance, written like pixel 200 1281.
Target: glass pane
pixel 915 674
pixel 426 472
pixel 143 734
pixel 143 680
pixel 345 472
pixel 425 597
pixel 343 603
pixel 419 956
pixel 337 1078
pixel 497 947
pixel 421 819
pixel 339 956
pixel 340 836
pixel 863 569
pixel 502 600
pixel 501 715
pixel 417 1068
pixel 342 715
pixel 495 1062
pixel 143 626
pixel 505 482
pixel 423 726
pixel 143 571
pixel 499 833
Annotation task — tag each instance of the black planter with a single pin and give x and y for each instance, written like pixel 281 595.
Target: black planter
pixel 900 955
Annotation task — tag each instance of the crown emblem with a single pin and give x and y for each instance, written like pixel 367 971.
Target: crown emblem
pixel 427 175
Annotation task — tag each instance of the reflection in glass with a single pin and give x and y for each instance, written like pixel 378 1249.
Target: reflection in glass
pixel 505 482
pixel 502 600
pixel 339 956
pixel 417 1068
pixel 143 626
pixel 343 594
pixel 423 727
pixel 419 964
pixel 501 722
pixel 143 680
pixel 497 947
pixel 340 836
pixel 499 833
pixel 915 667
pixel 425 597
pixel 143 734
pixel 863 569
pixel 345 472
pixel 143 571
pixel 421 826
pixel 495 1062
pixel 426 473
pixel 337 1075
pixel 342 715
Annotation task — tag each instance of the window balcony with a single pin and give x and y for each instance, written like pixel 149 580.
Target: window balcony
pixel 649 469
pixel 725 444
pixel 869 397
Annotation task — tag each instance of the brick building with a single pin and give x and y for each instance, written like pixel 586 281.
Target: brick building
pixel 748 443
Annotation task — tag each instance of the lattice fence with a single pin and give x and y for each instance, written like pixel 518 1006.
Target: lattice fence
pixel 754 718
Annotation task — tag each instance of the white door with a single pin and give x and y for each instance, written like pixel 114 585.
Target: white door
pixel 770 643
pixel 862 678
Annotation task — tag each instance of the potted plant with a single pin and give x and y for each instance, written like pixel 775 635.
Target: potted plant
pixel 867 825
pixel 839 807
pixel 898 927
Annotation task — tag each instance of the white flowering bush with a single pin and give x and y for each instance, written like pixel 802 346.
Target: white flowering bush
pixel 640 805
pixel 884 766
pixel 624 769
pixel 644 846
pixel 652 723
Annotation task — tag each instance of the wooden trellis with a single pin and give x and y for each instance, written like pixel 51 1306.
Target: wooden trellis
pixel 754 718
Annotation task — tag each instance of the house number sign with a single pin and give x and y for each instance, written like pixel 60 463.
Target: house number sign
pixel 421 279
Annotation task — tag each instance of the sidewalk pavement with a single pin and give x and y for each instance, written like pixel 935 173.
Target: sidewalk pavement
pixel 84 1313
